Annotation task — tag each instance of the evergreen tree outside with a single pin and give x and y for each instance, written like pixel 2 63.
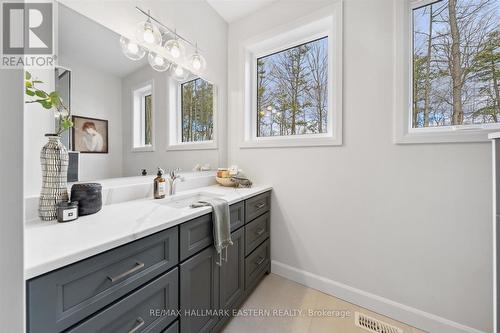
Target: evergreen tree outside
pixel 197 103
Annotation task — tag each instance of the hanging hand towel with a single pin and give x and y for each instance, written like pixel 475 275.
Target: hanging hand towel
pixel 221 224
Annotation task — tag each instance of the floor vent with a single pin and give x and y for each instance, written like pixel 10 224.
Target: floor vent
pixel 374 325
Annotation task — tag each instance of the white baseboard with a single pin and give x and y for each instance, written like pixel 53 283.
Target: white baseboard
pixel 406 314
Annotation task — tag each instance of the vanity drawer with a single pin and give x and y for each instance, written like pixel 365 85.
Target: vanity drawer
pixel 256 232
pixel 133 313
pixel 257 206
pixel 62 298
pixel 257 263
pixel 197 234
pixel 237 213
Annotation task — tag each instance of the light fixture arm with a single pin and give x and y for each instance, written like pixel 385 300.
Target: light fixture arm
pixel 170 30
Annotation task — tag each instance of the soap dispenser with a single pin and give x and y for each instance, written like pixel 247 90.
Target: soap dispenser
pixel 160 187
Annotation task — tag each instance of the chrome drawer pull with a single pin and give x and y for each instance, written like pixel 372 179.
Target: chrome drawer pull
pixel 260 231
pixel 261 205
pixel 260 261
pixel 138 266
pixel 140 322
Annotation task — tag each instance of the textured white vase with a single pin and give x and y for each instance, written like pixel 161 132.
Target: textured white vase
pixel 54 161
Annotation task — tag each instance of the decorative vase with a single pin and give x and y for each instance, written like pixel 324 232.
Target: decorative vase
pixel 54 161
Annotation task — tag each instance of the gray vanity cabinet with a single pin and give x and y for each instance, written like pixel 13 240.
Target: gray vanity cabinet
pixel 199 291
pixel 120 290
pixel 232 272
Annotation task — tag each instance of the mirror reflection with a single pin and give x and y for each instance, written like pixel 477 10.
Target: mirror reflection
pixel 130 114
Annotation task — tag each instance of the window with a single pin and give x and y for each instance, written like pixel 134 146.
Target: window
pixel 293 84
pixel 143 118
pixel 454 69
pixel 197 110
pixel 192 115
pixel 292 90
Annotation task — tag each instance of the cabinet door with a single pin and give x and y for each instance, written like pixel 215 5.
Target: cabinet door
pixel 199 279
pixel 232 272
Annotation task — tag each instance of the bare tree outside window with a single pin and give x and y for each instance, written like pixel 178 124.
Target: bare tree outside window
pixel 292 90
pixel 456 63
pixel 197 102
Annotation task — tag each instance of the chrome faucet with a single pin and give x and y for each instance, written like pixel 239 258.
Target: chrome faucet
pixel 173 178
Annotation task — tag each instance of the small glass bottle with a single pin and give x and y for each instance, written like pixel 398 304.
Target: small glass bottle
pixel 160 187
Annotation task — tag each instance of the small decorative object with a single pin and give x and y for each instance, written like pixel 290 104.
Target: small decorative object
pixel 54 156
pixel 54 160
pixel 225 181
pixel 160 185
pixel 90 135
pixel 222 173
pixel 89 197
pixel 67 211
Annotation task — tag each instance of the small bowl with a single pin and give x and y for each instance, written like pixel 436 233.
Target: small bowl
pixel 225 182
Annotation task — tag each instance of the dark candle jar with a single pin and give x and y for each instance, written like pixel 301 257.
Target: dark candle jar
pixel 89 197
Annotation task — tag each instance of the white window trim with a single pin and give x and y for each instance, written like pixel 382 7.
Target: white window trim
pixel 174 135
pixel 292 34
pixel 134 91
pixel 403 52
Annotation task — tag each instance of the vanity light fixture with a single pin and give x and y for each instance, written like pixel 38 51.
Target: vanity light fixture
pixel 131 49
pixel 149 36
pixel 158 62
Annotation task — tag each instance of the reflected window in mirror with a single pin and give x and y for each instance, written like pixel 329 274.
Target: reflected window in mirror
pixel 143 114
pixel 193 114
pixel 63 86
pixel 197 110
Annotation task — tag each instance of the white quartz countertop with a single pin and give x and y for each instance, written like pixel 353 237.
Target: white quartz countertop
pixel 52 245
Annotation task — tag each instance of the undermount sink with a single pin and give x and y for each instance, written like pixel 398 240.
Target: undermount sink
pixel 179 201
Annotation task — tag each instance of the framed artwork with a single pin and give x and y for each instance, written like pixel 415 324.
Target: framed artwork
pixel 89 135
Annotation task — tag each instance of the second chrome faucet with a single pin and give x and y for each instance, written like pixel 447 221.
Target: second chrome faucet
pixel 173 178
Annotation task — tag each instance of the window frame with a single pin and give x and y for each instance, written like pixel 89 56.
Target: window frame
pixel 404 133
pixel 139 93
pixel 308 29
pixel 174 136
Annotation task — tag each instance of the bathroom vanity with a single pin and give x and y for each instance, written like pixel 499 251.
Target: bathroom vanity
pixel 147 266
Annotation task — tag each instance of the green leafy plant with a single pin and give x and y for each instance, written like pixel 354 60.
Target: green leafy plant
pixel 48 101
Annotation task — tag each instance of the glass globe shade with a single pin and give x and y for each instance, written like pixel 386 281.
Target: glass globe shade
pixel 158 62
pixel 131 49
pixel 198 62
pixel 180 73
pixel 148 33
pixel 175 48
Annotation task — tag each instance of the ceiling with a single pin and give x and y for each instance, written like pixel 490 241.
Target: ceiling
pixel 233 10
pixel 86 41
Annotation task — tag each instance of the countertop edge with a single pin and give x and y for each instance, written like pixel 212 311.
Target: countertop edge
pixel 71 258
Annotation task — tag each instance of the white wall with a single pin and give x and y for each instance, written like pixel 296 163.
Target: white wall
pixel 402 229
pixel 97 94
pixel 195 20
pixel 134 162
pixel 11 201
